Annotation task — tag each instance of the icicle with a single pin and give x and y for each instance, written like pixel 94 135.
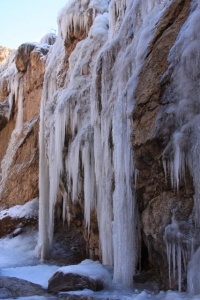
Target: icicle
pixel 193 275
pixel 179 242
pixel 184 60
pixel 93 138
pixel 89 181
pixel 43 247
pixel 19 121
pixel 114 163
pixel 75 16
pixel 66 135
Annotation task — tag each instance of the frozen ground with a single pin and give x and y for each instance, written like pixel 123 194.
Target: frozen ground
pixel 17 260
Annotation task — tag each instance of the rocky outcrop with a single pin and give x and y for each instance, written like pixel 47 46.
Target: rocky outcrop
pixel 21 87
pixel 4 53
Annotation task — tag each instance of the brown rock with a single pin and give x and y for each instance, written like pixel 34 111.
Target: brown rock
pixel 20 181
pixel 23 56
pixel 11 287
pixel 4 53
pixel 156 198
pixel 72 282
pixel 15 226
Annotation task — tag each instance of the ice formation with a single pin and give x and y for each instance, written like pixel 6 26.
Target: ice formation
pixel 182 114
pixel 85 129
pixel 48 39
pixel 180 242
pixel 9 77
pixel 15 88
pixel 76 15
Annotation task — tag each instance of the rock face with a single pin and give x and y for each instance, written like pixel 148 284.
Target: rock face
pixel 156 198
pixel 21 85
pixel 118 113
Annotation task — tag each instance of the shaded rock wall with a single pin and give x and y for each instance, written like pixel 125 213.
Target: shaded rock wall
pixel 156 197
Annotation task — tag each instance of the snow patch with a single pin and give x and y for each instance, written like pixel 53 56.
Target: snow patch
pixel 27 210
pixel 89 268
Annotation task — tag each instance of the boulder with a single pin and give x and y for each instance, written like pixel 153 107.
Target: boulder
pixel 15 219
pixel 11 287
pixel 88 274
pixel 73 282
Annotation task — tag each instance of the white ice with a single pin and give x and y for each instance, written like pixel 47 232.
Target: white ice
pixel 29 209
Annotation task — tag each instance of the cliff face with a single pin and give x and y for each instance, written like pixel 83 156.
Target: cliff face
pixel 119 102
pixel 21 86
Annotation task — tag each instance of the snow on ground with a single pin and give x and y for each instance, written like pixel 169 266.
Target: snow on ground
pixel 38 274
pixel 18 251
pixel 17 259
pixel 29 209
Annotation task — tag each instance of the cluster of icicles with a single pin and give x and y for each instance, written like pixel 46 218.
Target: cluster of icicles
pixel 86 127
pixel 182 151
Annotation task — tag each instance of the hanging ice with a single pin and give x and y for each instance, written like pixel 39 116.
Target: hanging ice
pixel 86 126
pixel 181 126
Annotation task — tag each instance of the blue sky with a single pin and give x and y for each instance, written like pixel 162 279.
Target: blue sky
pixel 27 20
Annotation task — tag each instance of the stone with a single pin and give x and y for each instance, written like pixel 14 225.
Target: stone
pixel 4 53
pixel 11 287
pixel 23 56
pixel 20 181
pixel 72 282
pixel 14 227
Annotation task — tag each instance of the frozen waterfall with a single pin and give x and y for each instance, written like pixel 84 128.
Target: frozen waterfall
pixel 86 125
